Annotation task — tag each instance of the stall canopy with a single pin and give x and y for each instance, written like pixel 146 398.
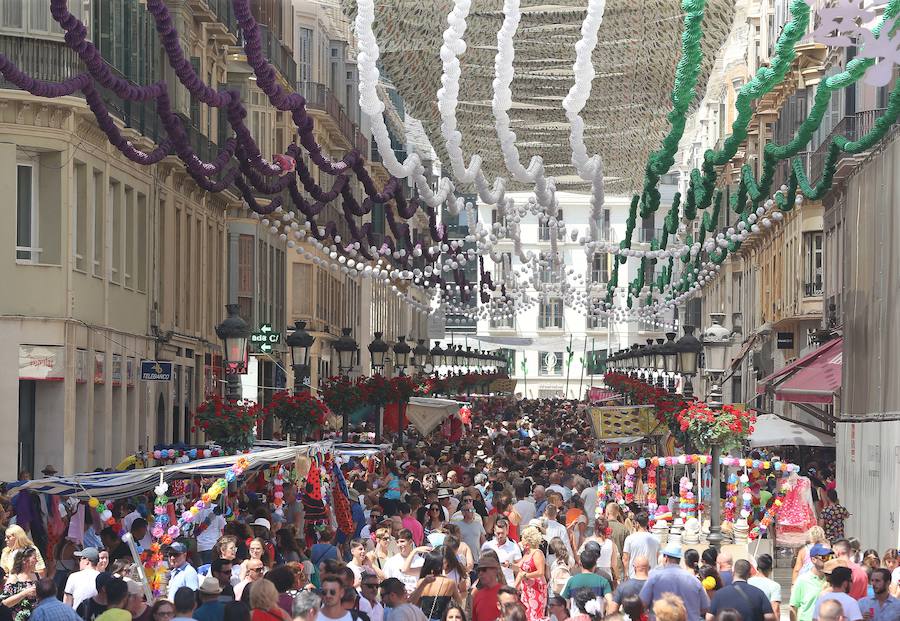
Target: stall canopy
pixel 814 378
pixel 772 430
pixel 110 485
pixel 426 414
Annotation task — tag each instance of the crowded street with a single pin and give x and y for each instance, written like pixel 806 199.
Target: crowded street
pixel 455 310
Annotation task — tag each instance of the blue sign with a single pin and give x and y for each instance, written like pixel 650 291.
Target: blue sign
pixel 156 371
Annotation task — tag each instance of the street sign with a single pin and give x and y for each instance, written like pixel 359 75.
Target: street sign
pixel 156 371
pixel 265 338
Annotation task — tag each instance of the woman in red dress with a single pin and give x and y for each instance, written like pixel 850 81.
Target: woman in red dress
pixel 530 578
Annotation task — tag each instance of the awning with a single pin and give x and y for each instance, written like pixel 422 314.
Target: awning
pixel 827 351
pixel 816 383
pixel 772 430
pixel 426 414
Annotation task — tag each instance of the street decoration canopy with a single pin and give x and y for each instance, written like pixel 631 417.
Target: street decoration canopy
pixel 621 77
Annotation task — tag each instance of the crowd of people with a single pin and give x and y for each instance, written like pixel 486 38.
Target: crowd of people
pixel 503 524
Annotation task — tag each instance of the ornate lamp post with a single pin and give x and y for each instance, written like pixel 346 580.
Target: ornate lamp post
pixel 421 357
pixel 688 358
pixel 300 341
pixel 437 355
pixel 716 339
pixel 401 355
pixel 377 351
pixel 659 363
pixel 235 335
pixel 669 352
pixel 345 346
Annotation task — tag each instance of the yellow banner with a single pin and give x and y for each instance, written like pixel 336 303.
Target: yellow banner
pixel 624 421
pixel 503 385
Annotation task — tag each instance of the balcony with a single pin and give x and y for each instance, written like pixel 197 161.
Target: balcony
pixel 52 61
pixel 853 127
pixel 645 236
pixel 320 97
pixel 813 289
pixel 279 55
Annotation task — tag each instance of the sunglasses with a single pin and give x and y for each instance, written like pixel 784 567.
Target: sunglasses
pixel 329 591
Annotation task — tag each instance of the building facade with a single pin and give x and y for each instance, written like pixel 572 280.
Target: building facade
pixel 112 262
pixel 541 368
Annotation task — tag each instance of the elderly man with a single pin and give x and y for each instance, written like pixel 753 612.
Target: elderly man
pixel 306 605
pixel 48 608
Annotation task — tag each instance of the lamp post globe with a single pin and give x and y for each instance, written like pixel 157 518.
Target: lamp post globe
pixel 300 341
pixel 421 355
pixel 377 351
pixel 689 348
pixel 401 355
pixel 345 346
pixel 235 335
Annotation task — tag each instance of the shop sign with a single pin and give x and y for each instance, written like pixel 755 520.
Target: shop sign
pixel 156 371
pixel 99 367
pixel 42 362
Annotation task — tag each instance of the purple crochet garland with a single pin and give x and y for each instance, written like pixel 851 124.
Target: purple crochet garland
pixel 251 171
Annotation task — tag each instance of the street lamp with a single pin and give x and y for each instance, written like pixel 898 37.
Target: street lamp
pixel 235 334
pixel 688 354
pixel 300 342
pixel 345 346
pixel 716 339
pixel 669 351
pixel 421 353
pixel 438 355
pixel 377 351
pixel 401 355
pixel 659 363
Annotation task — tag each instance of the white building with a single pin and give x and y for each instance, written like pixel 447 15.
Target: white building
pixel 550 327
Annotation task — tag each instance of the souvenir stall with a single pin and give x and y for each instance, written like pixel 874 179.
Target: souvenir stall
pixel 675 492
pixel 175 497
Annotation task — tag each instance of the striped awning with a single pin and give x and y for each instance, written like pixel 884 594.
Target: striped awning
pixel 111 485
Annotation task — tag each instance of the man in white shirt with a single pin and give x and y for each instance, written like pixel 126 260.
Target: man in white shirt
pixel 640 543
pixel 555 486
pixel 589 500
pixel 507 550
pixel 525 505
pixel 332 593
pixel 215 524
pixel 553 529
pixel 394 566
pixel 81 584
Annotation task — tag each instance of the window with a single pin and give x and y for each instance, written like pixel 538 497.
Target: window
pixel 600 268
pixel 551 362
pixel 13 14
pixel 26 214
pixel 245 276
pixel 549 274
pixel 141 226
pixel 99 237
pixel 595 322
pixel 129 244
pixel 32 17
pixel 605 223
pixel 115 207
pixel 812 248
pixel 648 228
pixel 544 226
pixel 498 216
pixel 510 356
pixel 501 322
pixel 551 314
pixel 79 243
pixel 596 362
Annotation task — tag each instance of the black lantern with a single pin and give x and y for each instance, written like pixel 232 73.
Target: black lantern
pixel 438 355
pixel 421 353
pixel 377 351
pixel 689 348
pixel 669 353
pixel 345 346
pixel 300 341
pixel 401 355
pixel 235 335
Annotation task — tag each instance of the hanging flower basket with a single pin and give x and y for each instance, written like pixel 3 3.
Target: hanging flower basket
pixel 341 395
pixel 706 427
pixel 230 424
pixel 376 390
pixel 301 415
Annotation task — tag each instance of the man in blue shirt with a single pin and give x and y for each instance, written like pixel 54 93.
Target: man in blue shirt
pixel 210 609
pixel 671 578
pixel 182 573
pixel 882 606
pixel 49 608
